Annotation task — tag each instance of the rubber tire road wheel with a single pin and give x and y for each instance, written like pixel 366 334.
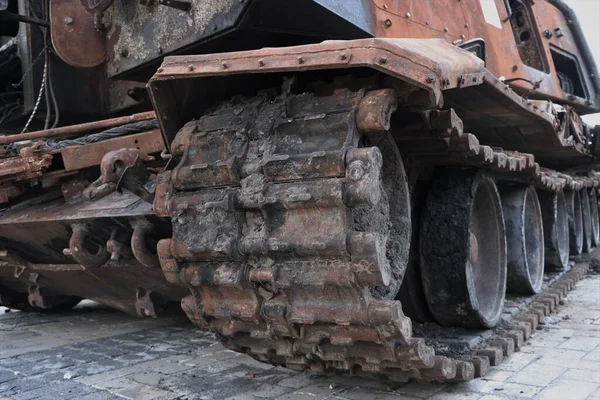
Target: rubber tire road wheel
pixel 524 239
pixel 594 214
pixel 463 249
pixel 586 218
pixel 556 229
pixel 575 222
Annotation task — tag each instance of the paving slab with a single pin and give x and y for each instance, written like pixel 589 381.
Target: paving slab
pixel 95 353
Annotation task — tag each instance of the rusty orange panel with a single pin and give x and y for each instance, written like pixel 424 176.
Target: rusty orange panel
pixel 454 20
pixel 77 157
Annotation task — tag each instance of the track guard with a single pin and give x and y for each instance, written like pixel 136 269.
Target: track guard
pixel 184 86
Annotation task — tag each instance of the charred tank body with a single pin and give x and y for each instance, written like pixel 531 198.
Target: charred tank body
pixel 359 186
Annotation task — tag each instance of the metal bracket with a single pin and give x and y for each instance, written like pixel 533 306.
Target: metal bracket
pixel 467 80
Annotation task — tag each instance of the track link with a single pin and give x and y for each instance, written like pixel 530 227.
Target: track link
pixel 264 203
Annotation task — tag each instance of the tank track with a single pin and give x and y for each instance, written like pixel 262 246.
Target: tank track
pixel 261 204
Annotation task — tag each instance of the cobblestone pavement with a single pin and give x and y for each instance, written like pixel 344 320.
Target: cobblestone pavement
pixel 96 353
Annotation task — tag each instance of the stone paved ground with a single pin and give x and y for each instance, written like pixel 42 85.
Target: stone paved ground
pixel 97 353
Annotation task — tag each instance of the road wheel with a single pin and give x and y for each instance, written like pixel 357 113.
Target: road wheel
pixel 524 239
pixel 463 249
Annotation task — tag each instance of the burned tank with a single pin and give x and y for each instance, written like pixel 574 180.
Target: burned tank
pixel 392 189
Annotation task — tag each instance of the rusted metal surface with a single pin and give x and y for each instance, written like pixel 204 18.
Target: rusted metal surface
pixel 25 168
pixel 59 247
pixel 148 303
pixel 465 20
pixel 74 37
pixel 510 124
pixel 32 162
pixel 78 129
pixel 123 204
pixel 430 65
pixel 29 164
pixel 272 261
pixel 117 284
pixel 112 168
pixel 448 144
pixel 375 111
pixel 79 157
pixel 297 229
pixel 138 34
pixel 283 212
pixel 488 107
pixel 10 191
pixel 79 251
pixel 139 246
pixel 123 95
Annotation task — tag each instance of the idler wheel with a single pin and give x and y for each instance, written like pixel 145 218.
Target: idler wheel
pixel 524 239
pixel 463 249
pixel 586 217
pixel 575 222
pixel 556 229
pixel 594 220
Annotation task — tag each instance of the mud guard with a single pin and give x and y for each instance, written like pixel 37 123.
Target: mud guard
pixel 428 65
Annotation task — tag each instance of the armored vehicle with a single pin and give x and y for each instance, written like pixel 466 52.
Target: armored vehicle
pixel 388 188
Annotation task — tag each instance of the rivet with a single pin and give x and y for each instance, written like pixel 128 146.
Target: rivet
pixel 300 60
pixel 462 37
pixel 407 15
pixel 430 79
pixel 466 25
pixel 446 29
pixel 382 60
pixel 515 68
pixel 224 65
pixel 190 67
pixel 159 69
pixel 68 20
pixel 385 7
pixel 387 23
pixel 261 63
pixel 343 56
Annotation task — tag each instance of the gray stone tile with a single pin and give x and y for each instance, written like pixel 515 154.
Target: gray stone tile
pixel 582 375
pixel 56 390
pixel 564 388
pixel 537 374
pixel 112 355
